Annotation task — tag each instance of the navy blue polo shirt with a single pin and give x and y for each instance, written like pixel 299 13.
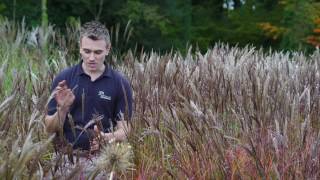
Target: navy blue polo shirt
pixel 109 96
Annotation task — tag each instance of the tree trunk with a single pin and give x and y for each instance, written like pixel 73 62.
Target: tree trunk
pixel 44 14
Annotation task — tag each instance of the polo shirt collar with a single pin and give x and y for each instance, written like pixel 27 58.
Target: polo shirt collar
pixel 107 71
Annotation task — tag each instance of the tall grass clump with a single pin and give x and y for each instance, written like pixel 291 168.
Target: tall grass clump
pixel 230 113
pixel 25 80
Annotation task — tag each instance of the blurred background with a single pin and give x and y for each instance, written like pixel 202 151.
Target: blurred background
pixel 163 25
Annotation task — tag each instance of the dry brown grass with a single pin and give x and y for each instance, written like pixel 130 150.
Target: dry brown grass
pixel 227 114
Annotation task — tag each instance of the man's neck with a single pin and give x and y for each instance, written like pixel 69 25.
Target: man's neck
pixel 94 74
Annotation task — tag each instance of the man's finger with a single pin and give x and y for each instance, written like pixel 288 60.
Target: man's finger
pixel 63 84
pixel 58 89
pixel 94 146
pixel 94 142
pixel 99 133
pixel 96 129
pixel 64 92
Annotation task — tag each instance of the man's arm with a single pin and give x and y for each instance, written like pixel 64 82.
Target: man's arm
pixel 123 104
pixel 124 109
pixel 55 122
pixel 64 98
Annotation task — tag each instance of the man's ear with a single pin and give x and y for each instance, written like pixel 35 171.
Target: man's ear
pixel 108 48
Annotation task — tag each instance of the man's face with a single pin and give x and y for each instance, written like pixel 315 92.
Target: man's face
pixel 93 53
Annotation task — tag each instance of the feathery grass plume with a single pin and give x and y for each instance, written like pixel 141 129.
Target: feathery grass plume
pixel 115 158
pixel 5 104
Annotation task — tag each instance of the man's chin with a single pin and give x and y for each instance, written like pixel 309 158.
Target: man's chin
pixel 91 68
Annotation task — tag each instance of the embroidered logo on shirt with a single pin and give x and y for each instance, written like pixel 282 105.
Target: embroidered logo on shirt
pixel 103 96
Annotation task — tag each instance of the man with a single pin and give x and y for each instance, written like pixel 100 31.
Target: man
pixel 92 93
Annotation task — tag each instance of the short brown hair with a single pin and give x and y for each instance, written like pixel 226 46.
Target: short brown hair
pixel 95 31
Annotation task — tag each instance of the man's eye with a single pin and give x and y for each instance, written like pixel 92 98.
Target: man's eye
pixel 98 52
pixel 87 51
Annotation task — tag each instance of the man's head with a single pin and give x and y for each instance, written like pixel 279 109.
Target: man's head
pixel 94 45
pixel 96 31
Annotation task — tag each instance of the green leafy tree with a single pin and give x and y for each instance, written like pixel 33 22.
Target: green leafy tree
pixel 293 22
pixel 163 24
pixel 297 14
pixel 18 9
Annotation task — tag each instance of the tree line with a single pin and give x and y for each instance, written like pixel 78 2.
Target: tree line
pixel 174 24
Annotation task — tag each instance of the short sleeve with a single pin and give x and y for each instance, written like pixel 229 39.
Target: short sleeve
pixel 124 101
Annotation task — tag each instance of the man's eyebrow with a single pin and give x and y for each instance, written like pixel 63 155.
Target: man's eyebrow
pixel 92 50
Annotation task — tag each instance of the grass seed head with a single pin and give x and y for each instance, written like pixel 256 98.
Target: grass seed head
pixel 116 157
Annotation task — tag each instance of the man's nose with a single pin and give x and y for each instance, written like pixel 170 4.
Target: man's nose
pixel 91 56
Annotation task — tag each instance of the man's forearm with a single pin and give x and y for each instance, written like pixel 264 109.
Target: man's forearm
pixel 55 122
pixel 120 134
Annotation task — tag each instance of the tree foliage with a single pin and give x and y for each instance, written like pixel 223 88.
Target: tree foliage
pixel 315 38
pixel 167 24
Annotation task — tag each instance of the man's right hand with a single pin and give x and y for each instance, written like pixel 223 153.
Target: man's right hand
pixel 63 95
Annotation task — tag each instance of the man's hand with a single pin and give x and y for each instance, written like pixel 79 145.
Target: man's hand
pixel 95 143
pixel 63 95
pixel 101 138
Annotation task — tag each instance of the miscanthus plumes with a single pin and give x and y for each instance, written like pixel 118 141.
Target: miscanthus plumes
pixel 116 157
